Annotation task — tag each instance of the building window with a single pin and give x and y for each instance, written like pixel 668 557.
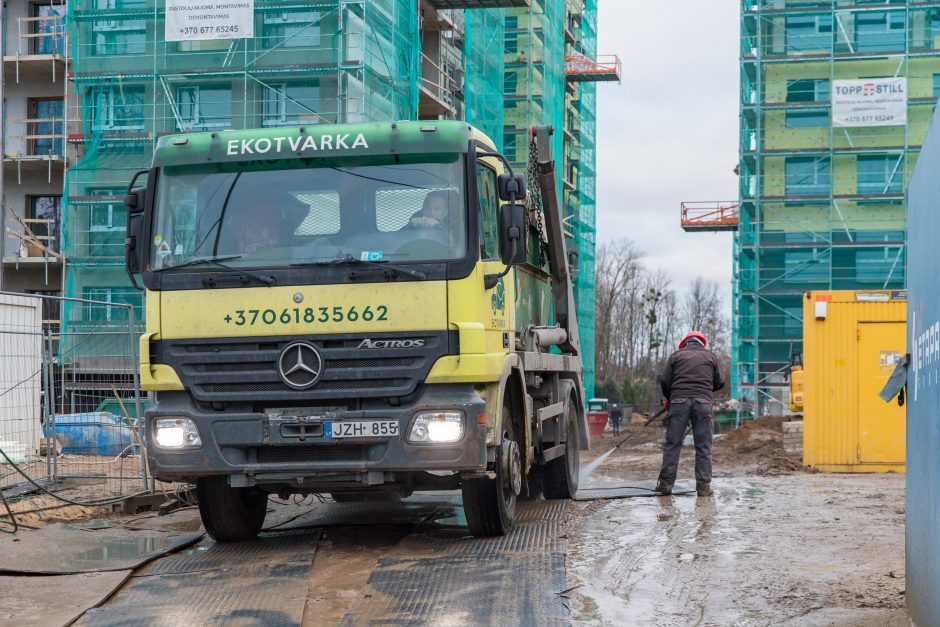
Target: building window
pixel 46 126
pixel 512 35
pixel 50 30
pixel 809 32
pixel 880 31
pixel 49 210
pixel 936 85
pixel 107 221
pixel 807 119
pixel 879 174
pixel 204 107
pixel 118 37
pixel 291 103
pixel 118 108
pixel 808 176
pixel 792 322
pixel 805 267
pixel 808 90
pixel 292 29
pixel 933 28
pixel 102 311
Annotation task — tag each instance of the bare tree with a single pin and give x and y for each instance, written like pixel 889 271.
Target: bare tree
pixel 618 265
pixel 702 311
pixel 640 317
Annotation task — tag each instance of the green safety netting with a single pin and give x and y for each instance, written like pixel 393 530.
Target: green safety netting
pixel 312 62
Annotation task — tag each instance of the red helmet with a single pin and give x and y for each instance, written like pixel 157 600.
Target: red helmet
pixel 697 335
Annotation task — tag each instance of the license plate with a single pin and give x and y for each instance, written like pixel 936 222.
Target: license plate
pixel 362 429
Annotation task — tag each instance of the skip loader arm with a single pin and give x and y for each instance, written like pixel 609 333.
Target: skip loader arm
pixel 562 289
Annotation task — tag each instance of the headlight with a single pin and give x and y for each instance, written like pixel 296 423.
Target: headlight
pixel 437 426
pixel 176 433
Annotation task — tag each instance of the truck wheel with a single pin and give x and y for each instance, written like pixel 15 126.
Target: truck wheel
pixel 230 514
pixel 560 476
pixel 490 504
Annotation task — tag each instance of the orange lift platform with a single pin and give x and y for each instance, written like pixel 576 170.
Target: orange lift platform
pixel 711 215
pixel 579 68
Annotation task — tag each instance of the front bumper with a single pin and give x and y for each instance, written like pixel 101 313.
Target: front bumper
pixel 267 448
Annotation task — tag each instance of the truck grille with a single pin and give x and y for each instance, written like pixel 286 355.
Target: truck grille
pixel 231 370
pixel 300 454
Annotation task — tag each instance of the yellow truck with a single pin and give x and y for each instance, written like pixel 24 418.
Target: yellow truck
pixel 364 310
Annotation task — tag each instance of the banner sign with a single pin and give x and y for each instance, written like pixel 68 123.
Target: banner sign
pixel 191 20
pixel 869 102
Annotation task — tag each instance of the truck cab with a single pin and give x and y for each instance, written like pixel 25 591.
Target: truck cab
pixel 361 310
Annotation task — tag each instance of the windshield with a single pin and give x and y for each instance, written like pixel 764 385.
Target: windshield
pixel 276 217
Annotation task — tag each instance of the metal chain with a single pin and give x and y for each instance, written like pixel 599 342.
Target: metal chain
pixel 534 202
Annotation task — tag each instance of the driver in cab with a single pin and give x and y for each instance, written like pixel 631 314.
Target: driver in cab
pixel 436 213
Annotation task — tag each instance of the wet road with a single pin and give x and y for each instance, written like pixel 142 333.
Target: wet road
pixel 406 563
pixel 801 549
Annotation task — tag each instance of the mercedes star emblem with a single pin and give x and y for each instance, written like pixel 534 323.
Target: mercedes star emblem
pixel 300 365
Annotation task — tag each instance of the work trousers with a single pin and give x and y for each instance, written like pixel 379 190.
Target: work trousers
pixel 615 424
pixel 681 411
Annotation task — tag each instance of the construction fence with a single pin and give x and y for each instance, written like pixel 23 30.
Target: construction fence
pixel 70 399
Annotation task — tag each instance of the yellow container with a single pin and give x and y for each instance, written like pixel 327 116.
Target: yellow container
pixel 851 343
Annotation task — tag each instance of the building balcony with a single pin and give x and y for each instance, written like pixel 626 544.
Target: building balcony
pixel 40 49
pixel 45 67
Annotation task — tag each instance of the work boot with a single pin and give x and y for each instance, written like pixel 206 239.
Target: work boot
pixel 704 489
pixel 665 489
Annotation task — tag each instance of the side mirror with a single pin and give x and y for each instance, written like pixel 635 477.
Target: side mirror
pixel 135 202
pixel 509 185
pixel 512 234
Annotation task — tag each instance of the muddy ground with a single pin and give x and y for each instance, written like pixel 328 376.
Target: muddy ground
pixel 775 545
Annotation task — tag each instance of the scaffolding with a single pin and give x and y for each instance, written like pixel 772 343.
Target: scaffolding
pixel 333 61
pixel 821 207
pixel 499 64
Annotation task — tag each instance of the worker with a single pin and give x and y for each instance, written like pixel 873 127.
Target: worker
pixel 435 212
pixel 616 414
pixel 689 380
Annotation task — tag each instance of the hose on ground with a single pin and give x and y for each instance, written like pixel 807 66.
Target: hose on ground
pixel 65 500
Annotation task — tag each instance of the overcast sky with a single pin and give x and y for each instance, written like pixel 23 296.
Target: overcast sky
pixel 669 132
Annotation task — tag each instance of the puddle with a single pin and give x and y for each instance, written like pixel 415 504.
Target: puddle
pixel 124 549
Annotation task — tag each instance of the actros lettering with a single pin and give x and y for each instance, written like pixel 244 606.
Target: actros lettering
pixel 375 344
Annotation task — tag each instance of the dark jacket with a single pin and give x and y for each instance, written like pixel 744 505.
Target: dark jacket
pixel 616 413
pixel 691 372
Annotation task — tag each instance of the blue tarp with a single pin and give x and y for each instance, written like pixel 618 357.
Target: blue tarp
pixel 91 433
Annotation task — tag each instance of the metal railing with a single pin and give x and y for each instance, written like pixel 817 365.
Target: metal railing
pixel 70 399
pixel 603 67
pixel 709 215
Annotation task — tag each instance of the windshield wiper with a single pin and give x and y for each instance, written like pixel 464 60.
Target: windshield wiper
pixel 217 261
pixel 349 260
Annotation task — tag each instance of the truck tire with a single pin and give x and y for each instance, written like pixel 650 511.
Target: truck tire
pixel 560 476
pixel 490 504
pixel 230 514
